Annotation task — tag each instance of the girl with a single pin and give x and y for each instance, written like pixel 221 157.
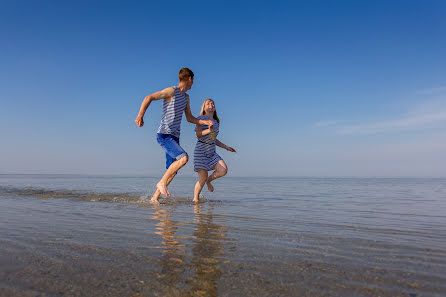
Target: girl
pixel 205 156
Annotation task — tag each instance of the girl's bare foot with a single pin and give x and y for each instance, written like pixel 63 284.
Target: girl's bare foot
pixel 210 187
pixel 163 189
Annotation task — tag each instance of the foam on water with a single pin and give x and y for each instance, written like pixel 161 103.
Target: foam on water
pixel 98 197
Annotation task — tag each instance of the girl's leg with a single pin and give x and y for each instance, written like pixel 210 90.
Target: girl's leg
pixel 202 177
pixel 220 170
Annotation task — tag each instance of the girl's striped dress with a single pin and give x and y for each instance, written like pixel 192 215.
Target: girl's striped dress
pixel 205 156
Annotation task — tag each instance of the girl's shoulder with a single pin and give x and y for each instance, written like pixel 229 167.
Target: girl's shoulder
pixel 202 117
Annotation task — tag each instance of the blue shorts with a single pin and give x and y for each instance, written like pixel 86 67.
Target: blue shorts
pixel 171 144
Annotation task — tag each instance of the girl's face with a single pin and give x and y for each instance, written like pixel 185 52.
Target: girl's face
pixel 209 106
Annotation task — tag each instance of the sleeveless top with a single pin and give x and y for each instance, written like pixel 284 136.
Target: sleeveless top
pixel 173 113
pixel 210 138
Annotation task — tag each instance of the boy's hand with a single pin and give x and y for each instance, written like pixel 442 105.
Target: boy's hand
pixel 210 124
pixel 139 121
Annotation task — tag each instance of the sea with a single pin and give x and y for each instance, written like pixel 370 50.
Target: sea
pixel 90 235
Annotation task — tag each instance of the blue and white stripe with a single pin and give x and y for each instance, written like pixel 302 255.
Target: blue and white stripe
pixel 173 113
pixel 205 156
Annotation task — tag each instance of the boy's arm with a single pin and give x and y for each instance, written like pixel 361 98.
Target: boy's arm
pixel 191 119
pixel 166 94
pixel 222 145
pixel 200 132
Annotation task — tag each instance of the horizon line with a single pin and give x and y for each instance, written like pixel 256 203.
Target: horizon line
pixel 237 176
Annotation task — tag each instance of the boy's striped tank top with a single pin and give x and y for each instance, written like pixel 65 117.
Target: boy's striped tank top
pixel 173 113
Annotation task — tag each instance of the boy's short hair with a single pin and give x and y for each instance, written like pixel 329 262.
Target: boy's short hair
pixel 185 73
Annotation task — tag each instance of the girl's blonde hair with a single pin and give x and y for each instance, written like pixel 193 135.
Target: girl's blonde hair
pixel 203 112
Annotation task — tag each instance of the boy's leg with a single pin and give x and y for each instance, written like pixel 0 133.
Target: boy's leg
pixel 169 161
pixel 176 158
pixel 157 193
pixel 202 177
pixel 220 170
pixel 170 174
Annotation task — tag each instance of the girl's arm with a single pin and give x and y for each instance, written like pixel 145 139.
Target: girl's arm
pixel 200 132
pixel 222 145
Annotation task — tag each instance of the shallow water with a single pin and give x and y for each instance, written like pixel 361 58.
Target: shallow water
pixel 89 236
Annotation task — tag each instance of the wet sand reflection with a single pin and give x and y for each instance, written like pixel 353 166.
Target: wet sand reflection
pixel 189 265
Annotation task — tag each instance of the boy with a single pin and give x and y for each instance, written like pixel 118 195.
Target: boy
pixel 176 100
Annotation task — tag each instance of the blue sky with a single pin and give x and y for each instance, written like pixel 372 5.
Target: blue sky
pixel 303 88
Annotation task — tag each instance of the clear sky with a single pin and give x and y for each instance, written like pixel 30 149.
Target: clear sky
pixel 303 88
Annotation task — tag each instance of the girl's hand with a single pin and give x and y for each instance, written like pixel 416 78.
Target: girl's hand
pixel 230 149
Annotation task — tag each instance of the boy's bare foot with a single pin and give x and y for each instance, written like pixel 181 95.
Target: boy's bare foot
pixel 154 201
pixel 163 189
pixel 195 200
pixel 210 187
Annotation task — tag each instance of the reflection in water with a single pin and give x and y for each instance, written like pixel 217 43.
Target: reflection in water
pixel 174 251
pixel 196 275
pixel 207 250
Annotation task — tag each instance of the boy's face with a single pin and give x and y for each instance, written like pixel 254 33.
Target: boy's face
pixel 190 82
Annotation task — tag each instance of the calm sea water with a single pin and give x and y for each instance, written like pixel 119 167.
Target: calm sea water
pixel 90 236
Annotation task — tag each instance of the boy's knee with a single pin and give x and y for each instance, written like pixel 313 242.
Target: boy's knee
pixel 183 160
